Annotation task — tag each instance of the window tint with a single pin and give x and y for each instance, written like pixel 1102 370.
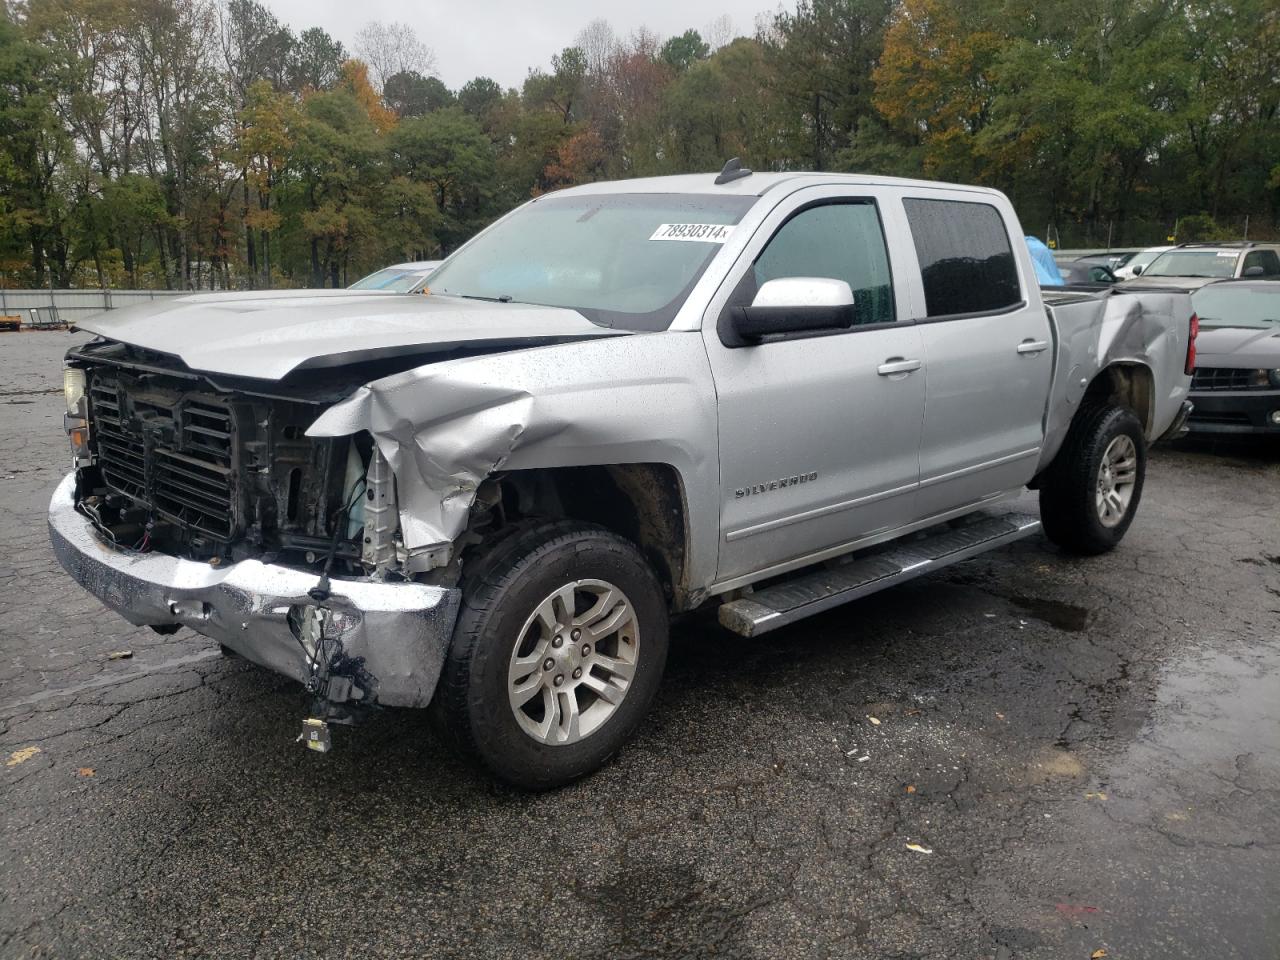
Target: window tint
pixel 965 256
pixel 840 241
pixel 1266 259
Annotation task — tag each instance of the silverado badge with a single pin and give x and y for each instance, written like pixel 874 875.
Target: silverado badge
pixel 756 488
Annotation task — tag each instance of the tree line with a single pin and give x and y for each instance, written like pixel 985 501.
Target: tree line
pixel 202 144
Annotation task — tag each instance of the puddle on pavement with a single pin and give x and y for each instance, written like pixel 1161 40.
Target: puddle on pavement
pixel 1063 616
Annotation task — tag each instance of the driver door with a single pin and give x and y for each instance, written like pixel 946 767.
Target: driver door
pixel 819 431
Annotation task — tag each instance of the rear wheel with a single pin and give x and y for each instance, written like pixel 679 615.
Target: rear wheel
pixel 1091 492
pixel 556 656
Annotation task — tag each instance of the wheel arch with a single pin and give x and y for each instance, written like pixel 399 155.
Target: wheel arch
pixel 644 502
pixel 1124 383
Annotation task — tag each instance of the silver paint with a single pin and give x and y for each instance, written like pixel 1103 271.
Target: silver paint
pixel 267 334
pixel 1145 329
pixel 445 427
pixel 899 426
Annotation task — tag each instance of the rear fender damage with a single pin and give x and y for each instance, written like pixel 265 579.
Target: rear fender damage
pixel 1124 348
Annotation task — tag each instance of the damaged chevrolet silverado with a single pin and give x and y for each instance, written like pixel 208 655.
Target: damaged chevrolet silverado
pixel 767 393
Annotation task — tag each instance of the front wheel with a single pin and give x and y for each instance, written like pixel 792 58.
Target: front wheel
pixel 1091 492
pixel 557 653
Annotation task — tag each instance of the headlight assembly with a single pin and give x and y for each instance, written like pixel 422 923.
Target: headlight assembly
pixel 73 388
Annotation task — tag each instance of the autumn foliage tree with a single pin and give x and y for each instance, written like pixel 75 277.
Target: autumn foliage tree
pixel 205 144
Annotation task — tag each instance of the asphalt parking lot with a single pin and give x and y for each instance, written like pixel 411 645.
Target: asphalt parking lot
pixel 1066 756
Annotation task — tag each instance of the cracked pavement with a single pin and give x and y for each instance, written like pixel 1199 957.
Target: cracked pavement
pixel 1089 748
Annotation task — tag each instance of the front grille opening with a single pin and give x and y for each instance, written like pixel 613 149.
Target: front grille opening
pixel 194 492
pixel 207 429
pixel 1220 416
pixel 173 455
pixel 1224 378
pixel 203 474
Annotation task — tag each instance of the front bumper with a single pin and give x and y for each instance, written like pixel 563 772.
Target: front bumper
pixel 395 633
pixel 1237 411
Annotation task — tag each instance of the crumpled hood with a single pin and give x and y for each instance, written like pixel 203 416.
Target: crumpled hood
pixel 1249 347
pixel 267 334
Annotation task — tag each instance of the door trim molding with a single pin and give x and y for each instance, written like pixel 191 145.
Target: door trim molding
pixel 986 464
pixel 815 512
pixel 741 533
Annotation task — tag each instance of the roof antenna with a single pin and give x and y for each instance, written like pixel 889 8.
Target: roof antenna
pixel 733 170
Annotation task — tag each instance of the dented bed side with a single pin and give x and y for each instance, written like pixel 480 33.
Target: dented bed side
pixel 1137 340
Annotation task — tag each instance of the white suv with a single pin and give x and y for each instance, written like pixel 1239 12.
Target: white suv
pixel 1204 262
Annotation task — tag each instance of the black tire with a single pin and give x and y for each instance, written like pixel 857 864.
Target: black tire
pixel 1068 504
pixel 501 590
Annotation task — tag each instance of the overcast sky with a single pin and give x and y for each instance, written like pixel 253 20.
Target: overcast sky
pixel 502 39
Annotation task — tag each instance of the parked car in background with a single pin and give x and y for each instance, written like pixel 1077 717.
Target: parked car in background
pixel 1236 388
pixel 1195 264
pixel 1085 273
pixel 1138 262
pixel 401 278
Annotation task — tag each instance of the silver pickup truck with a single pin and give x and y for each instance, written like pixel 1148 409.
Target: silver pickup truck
pixel 769 393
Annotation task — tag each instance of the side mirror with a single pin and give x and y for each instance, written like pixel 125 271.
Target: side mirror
pixel 1254 271
pixel 1137 270
pixel 794 305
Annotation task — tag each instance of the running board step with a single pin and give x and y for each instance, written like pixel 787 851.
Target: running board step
pixel 813 592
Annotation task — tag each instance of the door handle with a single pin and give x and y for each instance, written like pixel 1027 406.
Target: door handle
pixel 897 365
pixel 1033 346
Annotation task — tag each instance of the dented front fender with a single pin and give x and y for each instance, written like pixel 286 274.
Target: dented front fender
pixel 445 427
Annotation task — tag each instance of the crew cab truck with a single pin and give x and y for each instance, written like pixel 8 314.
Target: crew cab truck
pixel 772 393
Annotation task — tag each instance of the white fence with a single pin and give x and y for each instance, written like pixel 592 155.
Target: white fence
pixel 39 308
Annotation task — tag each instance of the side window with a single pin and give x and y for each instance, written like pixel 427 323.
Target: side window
pixel 1266 259
pixel 965 257
pixel 841 241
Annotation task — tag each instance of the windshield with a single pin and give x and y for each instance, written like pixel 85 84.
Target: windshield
pixel 393 279
pixel 1226 305
pixel 621 260
pixel 1142 258
pixel 1193 263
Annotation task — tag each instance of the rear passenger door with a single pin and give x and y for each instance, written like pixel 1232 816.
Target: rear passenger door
pixel 988 350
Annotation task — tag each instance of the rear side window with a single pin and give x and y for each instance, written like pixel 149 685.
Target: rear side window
pixel 1266 259
pixel 840 241
pixel 965 257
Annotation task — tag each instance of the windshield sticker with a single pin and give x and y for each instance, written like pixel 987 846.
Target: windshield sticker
pixel 1226 253
pixel 699 232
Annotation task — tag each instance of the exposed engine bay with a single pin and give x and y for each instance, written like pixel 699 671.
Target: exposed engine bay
pixel 218 471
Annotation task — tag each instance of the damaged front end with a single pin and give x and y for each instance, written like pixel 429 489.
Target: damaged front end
pixel 202 502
